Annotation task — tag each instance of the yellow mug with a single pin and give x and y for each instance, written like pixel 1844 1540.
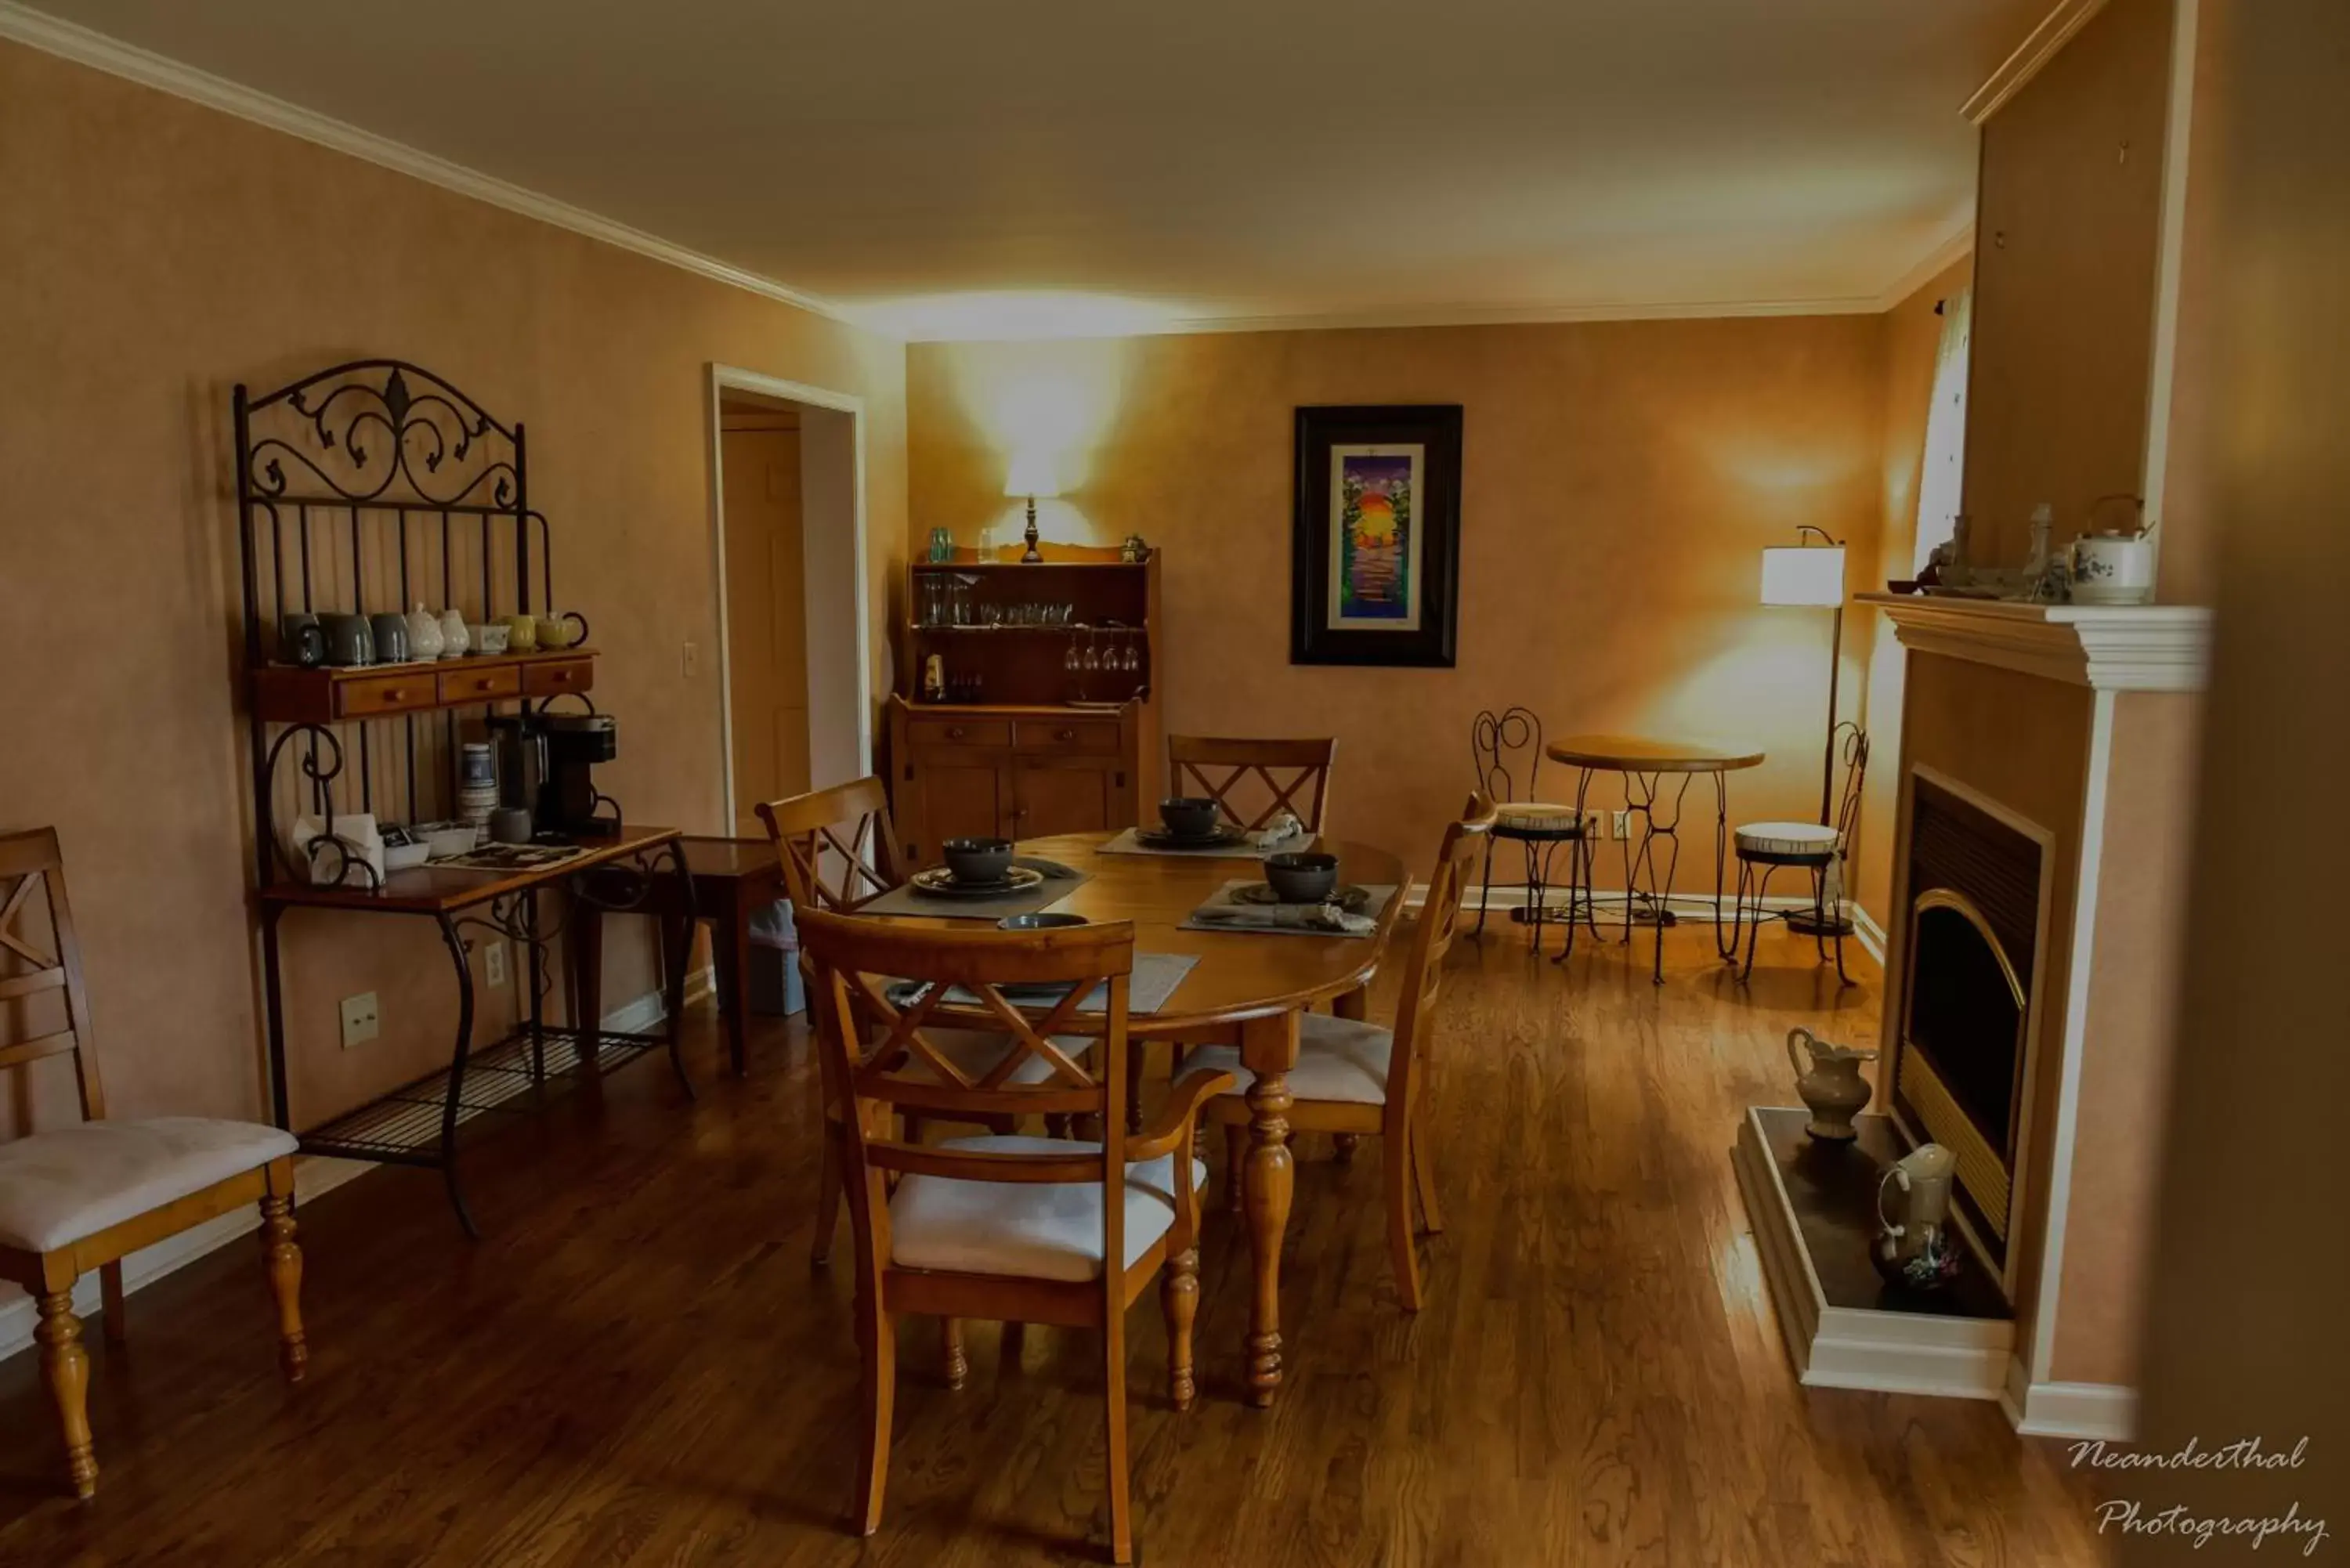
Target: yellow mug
pixel 521 633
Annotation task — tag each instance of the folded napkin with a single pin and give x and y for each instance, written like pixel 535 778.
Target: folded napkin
pixel 1280 830
pixel 1285 916
pixel 1050 870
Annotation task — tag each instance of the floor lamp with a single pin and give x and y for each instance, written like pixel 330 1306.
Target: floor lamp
pixel 1811 576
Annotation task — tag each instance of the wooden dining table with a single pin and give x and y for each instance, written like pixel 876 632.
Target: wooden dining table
pixel 1247 990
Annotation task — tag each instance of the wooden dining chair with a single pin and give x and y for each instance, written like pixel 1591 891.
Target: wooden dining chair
pixel 1354 1077
pixel 75 1199
pixel 1253 780
pixel 839 851
pixel 1021 1230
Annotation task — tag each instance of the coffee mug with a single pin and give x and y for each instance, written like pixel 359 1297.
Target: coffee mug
pixel 390 630
pixel 521 633
pixel 510 825
pixel 350 640
pixel 301 639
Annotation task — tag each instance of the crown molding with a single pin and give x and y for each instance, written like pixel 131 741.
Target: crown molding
pixel 84 45
pixel 2039 47
pixel 1460 315
pixel 1955 248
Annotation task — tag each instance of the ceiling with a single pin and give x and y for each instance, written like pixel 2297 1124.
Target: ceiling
pixel 942 167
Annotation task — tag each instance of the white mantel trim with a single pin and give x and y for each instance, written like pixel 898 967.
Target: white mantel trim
pixel 2111 648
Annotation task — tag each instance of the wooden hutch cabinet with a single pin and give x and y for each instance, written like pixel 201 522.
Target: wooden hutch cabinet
pixel 1045 719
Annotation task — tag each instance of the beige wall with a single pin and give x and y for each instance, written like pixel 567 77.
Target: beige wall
pixel 157 253
pixel 1913 336
pixel 2067 227
pixel 1620 481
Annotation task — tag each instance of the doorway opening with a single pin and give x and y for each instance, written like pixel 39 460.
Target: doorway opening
pixel 787 538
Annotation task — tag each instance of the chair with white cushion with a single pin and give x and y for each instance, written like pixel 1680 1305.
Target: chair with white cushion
pixel 1507 748
pixel 999 1226
pixel 83 1198
pixel 1764 847
pixel 1354 1077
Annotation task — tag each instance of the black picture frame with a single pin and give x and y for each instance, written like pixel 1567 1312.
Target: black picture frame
pixel 1434 429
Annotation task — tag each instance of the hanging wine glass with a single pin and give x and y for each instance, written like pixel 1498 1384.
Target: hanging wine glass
pixel 1133 652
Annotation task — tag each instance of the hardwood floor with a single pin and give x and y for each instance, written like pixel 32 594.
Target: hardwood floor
pixel 636 1367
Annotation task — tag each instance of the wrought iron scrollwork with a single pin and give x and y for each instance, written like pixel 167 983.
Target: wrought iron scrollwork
pixel 321 763
pixel 352 417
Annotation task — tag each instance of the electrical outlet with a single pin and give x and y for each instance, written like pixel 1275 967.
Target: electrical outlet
pixel 1622 828
pixel 693 659
pixel 361 1022
pixel 493 963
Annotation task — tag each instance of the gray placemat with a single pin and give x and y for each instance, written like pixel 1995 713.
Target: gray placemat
pixel 1126 843
pixel 1380 892
pixel 1155 978
pixel 909 900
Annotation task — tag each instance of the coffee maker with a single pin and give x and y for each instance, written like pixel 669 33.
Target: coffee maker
pixel 544 766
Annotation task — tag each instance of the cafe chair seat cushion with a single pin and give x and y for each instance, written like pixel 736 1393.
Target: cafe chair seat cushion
pixel 1028 1229
pixel 59 1187
pixel 1531 818
pixel 1788 838
pixel 1338 1059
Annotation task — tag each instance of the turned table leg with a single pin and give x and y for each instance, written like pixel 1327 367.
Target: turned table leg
pixel 1269 1049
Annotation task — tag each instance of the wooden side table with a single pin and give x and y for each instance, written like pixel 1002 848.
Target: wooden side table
pixel 731 877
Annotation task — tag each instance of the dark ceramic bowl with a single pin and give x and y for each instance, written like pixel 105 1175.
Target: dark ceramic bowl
pixel 1302 877
pixel 978 859
pixel 1039 920
pixel 1188 817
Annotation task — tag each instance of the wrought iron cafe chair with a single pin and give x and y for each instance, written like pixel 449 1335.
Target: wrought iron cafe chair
pixel 1765 848
pixel 1507 748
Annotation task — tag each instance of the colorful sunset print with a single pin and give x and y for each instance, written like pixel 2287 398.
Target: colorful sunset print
pixel 1374 536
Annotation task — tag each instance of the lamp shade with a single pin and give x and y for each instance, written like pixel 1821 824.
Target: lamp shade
pixel 1800 574
pixel 1032 474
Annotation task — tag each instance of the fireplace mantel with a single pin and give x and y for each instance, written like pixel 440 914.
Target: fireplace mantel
pixel 2111 648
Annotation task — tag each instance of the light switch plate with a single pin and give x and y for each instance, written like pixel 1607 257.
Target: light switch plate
pixel 360 1020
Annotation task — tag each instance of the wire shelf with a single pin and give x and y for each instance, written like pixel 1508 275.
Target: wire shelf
pixel 405 1125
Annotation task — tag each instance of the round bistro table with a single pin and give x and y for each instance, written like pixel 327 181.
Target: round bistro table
pixel 1645 765
pixel 1247 990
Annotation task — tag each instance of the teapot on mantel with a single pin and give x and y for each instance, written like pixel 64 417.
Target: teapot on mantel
pixel 2113 565
pixel 1833 1089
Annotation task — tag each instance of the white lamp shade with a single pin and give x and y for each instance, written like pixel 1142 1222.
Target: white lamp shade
pixel 1032 474
pixel 1800 574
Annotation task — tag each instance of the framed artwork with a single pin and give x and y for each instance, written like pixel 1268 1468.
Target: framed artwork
pixel 1376 542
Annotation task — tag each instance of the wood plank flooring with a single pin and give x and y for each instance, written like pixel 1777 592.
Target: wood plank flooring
pixel 637 1366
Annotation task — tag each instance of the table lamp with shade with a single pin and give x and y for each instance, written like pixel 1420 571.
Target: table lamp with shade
pixel 1032 475
pixel 1811 575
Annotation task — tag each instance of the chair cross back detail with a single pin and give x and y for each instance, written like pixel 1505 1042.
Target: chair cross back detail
pixel 1303 763
pixel 837 845
pixel 903 1042
pixel 36 865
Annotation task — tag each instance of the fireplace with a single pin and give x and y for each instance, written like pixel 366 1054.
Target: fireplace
pixel 1977 891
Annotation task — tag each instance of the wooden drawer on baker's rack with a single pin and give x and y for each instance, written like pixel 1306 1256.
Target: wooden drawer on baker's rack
pixel 403 693
pixel 1092 735
pixel 484 684
pixel 553 677
pixel 958 732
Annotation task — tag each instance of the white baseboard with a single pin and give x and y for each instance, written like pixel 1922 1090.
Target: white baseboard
pixel 1870 934
pixel 2076 1410
pixel 315 1176
pixel 1697 909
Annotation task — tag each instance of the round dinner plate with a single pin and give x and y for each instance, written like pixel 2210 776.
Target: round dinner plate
pixel 940 883
pixel 1350 899
pixel 1159 838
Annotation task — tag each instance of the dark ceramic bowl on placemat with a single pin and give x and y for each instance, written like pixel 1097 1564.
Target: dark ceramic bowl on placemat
pixel 1189 816
pixel 1040 920
pixel 1302 877
pixel 977 860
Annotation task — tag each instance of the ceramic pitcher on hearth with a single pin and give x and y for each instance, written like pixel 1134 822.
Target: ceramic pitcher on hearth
pixel 1833 1088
